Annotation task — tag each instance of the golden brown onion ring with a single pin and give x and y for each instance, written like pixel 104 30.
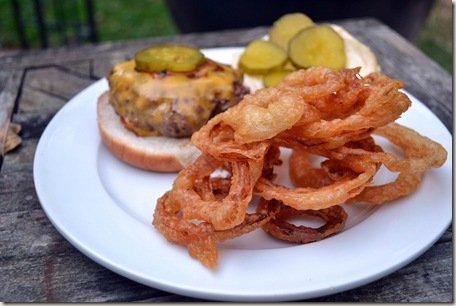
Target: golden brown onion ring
pixel 265 211
pixel 381 106
pixel 403 185
pixel 264 115
pixel 421 152
pixel 198 238
pixel 217 139
pixel 304 198
pixel 313 83
pixel 221 213
pixel 316 111
pixel 303 174
pixel 279 227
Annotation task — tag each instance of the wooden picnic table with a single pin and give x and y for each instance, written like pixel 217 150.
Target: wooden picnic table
pixel 38 265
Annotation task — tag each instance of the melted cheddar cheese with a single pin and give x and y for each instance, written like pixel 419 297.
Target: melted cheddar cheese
pixel 170 103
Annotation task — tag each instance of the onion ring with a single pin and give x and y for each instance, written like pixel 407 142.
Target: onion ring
pixel 313 83
pixel 200 238
pixel 421 152
pixel 303 198
pixel 224 213
pixel 328 113
pixel 279 227
pixel 381 106
pixel 303 174
pixel 217 140
pixel 403 185
pixel 265 211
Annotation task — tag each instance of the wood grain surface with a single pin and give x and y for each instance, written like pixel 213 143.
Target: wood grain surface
pixel 38 265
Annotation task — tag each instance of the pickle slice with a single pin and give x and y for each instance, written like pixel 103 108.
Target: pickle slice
pixel 172 57
pixel 289 66
pixel 273 78
pixel 287 26
pixel 260 56
pixel 317 45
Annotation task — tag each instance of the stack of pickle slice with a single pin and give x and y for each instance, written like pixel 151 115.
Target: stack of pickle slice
pixel 294 42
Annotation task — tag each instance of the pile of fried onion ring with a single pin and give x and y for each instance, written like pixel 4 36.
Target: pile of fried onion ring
pixel 317 112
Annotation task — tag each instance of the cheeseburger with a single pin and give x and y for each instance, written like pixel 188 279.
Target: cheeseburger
pixel 157 100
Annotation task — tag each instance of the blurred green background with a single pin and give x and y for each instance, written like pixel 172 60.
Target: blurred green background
pixel 435 39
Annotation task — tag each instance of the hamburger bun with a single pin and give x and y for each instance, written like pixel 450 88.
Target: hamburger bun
pixel 358 54
pixel 153 153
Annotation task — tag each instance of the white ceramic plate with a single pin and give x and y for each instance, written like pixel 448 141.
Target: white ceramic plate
pixel 105 207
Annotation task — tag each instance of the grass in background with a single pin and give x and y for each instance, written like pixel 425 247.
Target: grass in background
pixel 132 19
pixel 8 36
pixel 436 52
pixel 115 20
pixel 122 20
pixel 436 38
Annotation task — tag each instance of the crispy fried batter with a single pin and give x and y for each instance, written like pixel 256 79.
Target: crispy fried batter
pixel 331 114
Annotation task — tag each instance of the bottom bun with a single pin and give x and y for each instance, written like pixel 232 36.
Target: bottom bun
pixel 358 54
pixel 154 153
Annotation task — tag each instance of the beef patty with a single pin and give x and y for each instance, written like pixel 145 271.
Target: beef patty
pixel 173 104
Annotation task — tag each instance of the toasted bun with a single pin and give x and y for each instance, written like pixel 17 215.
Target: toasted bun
pixel 358 54
pixel 155 153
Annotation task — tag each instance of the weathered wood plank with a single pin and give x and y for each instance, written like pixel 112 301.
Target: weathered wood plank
pixel 34 58
pixel 79 68
pixel 10 82
pixel 44 267
pixel 48 88
pixel 17 189
pixel 44 91
pixel 101 66
pixel 33 124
